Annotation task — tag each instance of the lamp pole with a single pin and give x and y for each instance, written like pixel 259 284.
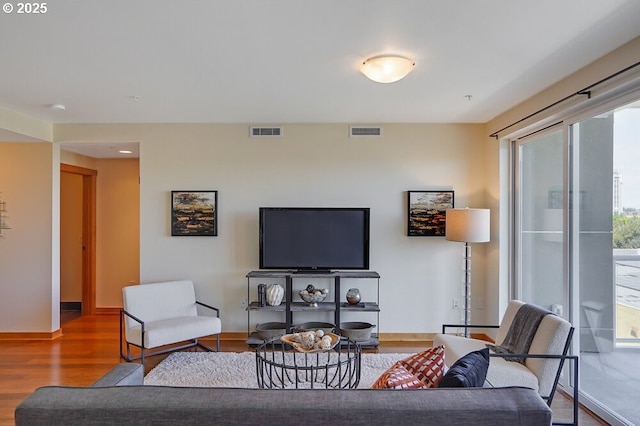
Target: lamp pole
pixel 467 287
pixel 467 226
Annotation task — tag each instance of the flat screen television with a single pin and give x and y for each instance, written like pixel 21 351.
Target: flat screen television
pixel 313 239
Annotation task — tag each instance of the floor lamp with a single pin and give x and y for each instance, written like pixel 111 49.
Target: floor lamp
pixel 467 226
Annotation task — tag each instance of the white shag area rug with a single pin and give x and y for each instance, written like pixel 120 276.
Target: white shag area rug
pixel 238 370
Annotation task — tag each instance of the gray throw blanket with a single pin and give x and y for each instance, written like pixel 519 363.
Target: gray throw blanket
pixel 521 332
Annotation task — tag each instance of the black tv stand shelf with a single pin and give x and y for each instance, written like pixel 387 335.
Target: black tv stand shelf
pixel 289 306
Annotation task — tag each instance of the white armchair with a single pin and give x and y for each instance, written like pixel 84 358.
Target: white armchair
pixel 542 364
pixel 161 314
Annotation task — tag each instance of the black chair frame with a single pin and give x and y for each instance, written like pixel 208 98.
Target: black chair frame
pixel 141 357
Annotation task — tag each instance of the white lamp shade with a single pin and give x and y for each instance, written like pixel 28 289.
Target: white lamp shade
pixel 468 225
pixel 387 68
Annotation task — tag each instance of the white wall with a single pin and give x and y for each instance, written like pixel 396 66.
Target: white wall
pixel 312 165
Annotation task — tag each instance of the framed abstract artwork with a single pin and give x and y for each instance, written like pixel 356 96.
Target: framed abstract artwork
pixel 426 213
pixel 194 213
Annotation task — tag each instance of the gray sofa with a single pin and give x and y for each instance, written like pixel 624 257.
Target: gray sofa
pixel 120 398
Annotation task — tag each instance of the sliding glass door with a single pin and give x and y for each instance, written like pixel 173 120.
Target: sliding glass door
pixel 577 246
pixel 539 249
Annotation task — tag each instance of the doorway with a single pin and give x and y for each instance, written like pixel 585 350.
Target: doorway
pixel 85 260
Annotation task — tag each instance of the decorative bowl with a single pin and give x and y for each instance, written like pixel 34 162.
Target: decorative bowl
pixel 270 330
pixel 289 339
pixel 313 296
pixel 356 331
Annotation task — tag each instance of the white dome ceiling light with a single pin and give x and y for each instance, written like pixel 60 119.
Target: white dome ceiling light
pixel 387 68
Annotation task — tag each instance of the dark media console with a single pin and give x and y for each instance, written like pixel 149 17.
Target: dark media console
pixel 292 302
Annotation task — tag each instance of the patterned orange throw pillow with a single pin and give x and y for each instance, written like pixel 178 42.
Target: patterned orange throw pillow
pixel 428 366
pixel 422 370
pixel 397 377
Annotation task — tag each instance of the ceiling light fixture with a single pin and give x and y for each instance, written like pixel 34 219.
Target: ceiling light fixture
pixel 57 107
pixel 125 151
pixel 387 68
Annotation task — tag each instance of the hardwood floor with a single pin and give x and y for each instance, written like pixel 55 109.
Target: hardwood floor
pixel 89 348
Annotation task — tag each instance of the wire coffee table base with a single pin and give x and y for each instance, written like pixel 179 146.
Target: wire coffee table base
pixel 278 366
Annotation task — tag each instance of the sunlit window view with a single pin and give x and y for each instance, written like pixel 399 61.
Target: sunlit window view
pixel 606 259
pixel 626 223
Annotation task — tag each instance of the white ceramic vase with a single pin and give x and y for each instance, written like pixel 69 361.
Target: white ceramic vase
pixel 275 294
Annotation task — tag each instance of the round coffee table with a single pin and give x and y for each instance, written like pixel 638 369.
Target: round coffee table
pixel 279 366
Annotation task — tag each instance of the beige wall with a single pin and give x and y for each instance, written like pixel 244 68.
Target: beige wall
pixel 70 237
pixel 29 279
pixel 23 127
pixel 67 157
pixel 118 229
pixel 317 165
pixel 117 225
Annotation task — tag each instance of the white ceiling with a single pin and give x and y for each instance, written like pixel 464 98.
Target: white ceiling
pixel 104 149
pixel 286 61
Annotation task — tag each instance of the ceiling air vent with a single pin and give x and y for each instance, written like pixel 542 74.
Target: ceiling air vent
pixel 260 132
pixel 357 131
